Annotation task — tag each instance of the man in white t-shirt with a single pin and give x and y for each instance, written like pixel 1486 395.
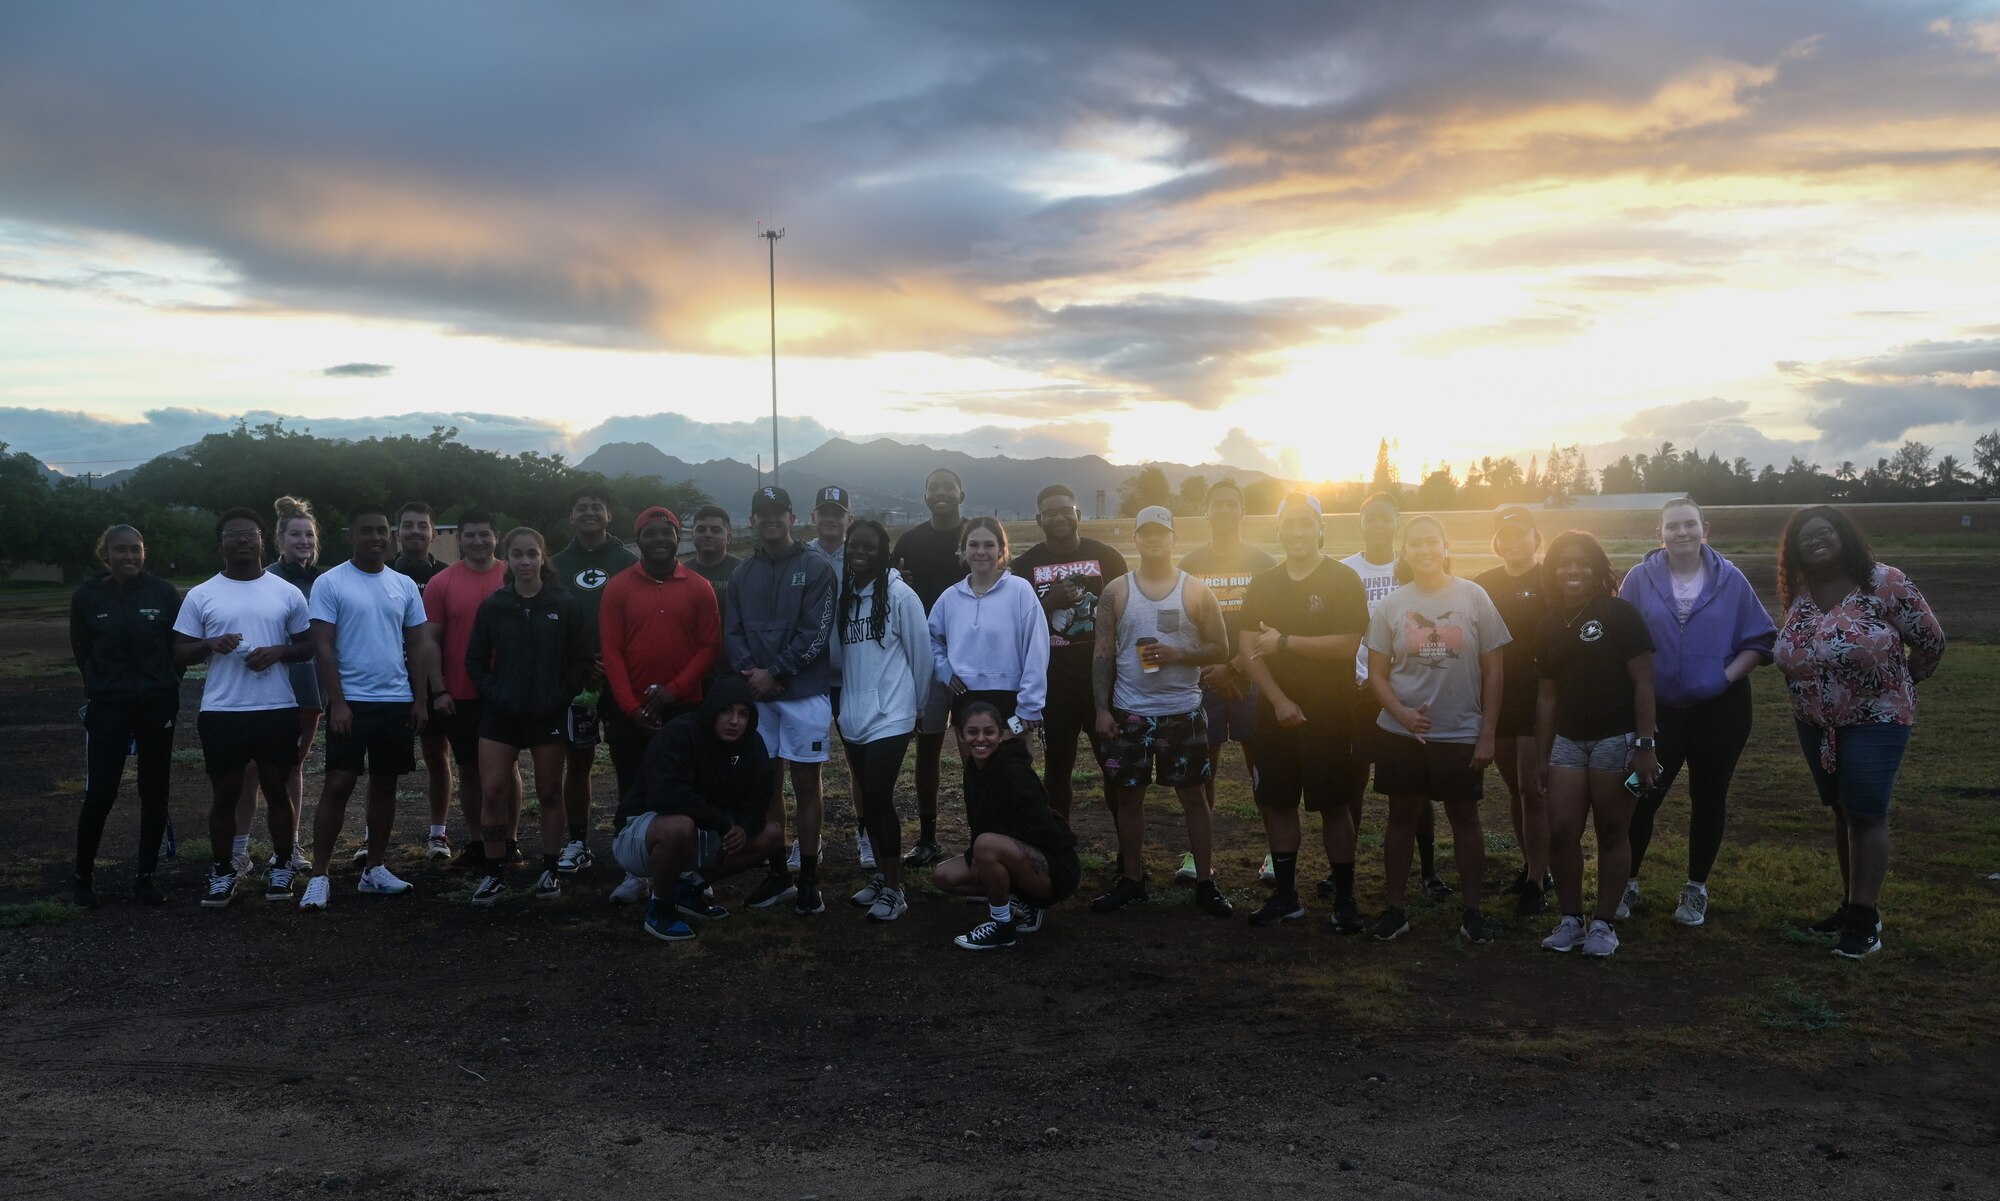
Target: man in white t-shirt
pixel 367 629
pixel 249 626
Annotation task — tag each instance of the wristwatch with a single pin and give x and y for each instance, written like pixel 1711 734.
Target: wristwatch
pixel 1284 640
pixel 1645 744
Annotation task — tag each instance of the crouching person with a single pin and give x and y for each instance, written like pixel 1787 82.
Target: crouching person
pixel 697 812
pixel 1022 857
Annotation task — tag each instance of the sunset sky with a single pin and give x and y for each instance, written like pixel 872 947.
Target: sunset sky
pixel 1266 232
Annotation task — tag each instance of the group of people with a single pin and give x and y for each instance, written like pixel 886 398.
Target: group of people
pixel 715 680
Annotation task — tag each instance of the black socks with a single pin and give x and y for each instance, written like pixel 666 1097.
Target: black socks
pixel 1285 869
pixel 1343 881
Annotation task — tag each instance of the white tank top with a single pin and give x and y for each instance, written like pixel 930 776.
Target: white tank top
pixel 1176 687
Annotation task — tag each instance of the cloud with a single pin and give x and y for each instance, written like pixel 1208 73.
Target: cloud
pixel 1877 400
pixel 358 370
pixel 1714 425
pixel 1238 449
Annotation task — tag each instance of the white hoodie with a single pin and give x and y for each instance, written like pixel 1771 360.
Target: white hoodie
pixel 880 680
pixel 1005 650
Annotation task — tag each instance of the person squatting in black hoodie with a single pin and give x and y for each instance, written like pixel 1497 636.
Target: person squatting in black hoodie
pixel 700 810
pixel 528 656
pixel 1022 857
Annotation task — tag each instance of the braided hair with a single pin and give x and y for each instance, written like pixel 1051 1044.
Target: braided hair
pixel 878 610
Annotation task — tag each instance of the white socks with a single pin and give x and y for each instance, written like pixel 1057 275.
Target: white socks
pixel 437 831
pixel 240 844
pixel 1003 912
pixel 1700 888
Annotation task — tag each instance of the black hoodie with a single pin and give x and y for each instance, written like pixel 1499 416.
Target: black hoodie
pixel 1005 796
pixel 528 655
pixel 691 772
pixel 123 638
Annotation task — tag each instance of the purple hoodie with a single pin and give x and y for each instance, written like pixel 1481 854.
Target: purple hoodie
pixel 1727 619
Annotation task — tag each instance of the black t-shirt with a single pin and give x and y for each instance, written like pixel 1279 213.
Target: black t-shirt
pixel 928 559
pixel 420 570
pixel 1522 606
pixel 1072 631
pixel 1228 578
pixel 1330 600
pixel 1586 653
pixel 717 577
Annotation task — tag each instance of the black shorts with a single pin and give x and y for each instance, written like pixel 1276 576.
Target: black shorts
pixel 1172 750
pixel 230 741
pixel 1069 711
pixel 1517 712
pixel 461 729
pixel 380 743
pixel 1442 771
pixel 522 732
pixel 833 698
pixel 1065 873
pixel 1303 764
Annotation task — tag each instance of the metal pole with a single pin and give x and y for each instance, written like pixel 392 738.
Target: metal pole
pixel 771 237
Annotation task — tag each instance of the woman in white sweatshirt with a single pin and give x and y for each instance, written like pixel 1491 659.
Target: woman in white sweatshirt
pixel 885 659
pixel 989 636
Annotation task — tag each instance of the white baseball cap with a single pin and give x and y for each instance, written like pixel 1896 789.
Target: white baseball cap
pixel 1154 515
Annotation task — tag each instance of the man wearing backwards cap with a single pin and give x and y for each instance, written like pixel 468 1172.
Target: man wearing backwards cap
pixel 583 568
pixel 777 624
pixel 660 632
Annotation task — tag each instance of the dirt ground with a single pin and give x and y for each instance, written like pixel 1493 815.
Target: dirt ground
pixel 417 1047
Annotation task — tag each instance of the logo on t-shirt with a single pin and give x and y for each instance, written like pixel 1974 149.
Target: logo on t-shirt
pixel 1314 604
pixel 1077 622
pixel 1436 643
pixel 1592 630
pixel 591 578
pixel 151 614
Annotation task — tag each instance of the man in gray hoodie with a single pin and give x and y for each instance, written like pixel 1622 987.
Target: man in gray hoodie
pixel 776 628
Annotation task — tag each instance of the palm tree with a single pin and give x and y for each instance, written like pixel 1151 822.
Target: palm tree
pixel 1950 472
pixel 1845 472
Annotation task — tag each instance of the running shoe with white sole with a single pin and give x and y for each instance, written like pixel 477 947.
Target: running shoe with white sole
pixel 864 851
pixel 866 894
pixel 383 882
pixel 775 889
pixel 1472 927
pixel 1629 901
pixel 987 936
pixel 806 900
pixel 1209 899
pixel 360 856
pixel 574 858
pixel 278 884
pixel 1185 873
pixel 1027 918
pixel 889 905
pixel 792 860
pixel 1693 909
pixel 1858 940
pixel 220 891
pixel 924 854
pixel 632 890
pixel 319 893
pixel 1434 886
pixel 241 864
pixel 548 886
pixel 489 892
pixel 1566 937
pixel 1281 908
pixel 1393 924
pixel 300 861
pixel 437 848
pixel 1267 874
pixel 664 924
pixel 1346 917
pixel 689 901
pixel 1600 941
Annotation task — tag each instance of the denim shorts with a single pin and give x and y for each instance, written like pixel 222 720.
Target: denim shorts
pixel 1595 754
pixel 1866 758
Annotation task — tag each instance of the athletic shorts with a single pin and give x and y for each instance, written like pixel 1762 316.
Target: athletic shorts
pixel 232 740
pixel 935 716
pixel 1065 874
pixel 580 728
pixel 523 731
pixel 461 729
pixel 1301 765
pixel 1442 771
pixel 796 729
pixel 1170 750
pixel 833 702
pixel 380 743
pixel 1594 754
pixel 628 846
pixel 1229 721
pixel 1068 711
pixel 305 685
pixel 1866 759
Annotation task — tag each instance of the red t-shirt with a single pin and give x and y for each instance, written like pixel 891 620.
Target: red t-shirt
pixel 451 601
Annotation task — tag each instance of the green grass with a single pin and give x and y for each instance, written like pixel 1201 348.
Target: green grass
pixel 1792 1008
pixel 37 913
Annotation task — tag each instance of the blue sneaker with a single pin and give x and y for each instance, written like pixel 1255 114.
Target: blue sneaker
pixel 663 925
pixel 690 901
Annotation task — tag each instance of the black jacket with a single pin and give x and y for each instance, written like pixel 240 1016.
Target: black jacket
pixel 1005 796
pixel 689 771
pixel 300 576
pixel 528 655
pixel 123 638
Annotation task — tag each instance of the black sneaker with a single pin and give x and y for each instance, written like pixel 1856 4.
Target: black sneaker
pixel 145 892
pixel 1861 938
pixel 84 893
pixel 1325 889
pixel 1347 917
pixel 1281 908
pixel 1473 927
pixel 806 898
pixel 1832 925
pixel 1392 925
pixel 514 856
pixel 1211 900
pixel 1435 887
pixel 219 891
pixel 1518 886
pixel 1027 919
pixel 987 936
pixel 776 888
pixel 1123 893
pixel 924 854
pixel 470 860
pixel 1533 901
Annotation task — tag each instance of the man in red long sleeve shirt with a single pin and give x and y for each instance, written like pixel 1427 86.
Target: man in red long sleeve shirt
pixel 660 632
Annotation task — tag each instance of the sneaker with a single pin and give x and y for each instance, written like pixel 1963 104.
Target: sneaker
pixel 1434 887
pixel 490 890
pixel 278 884
pixel 359 858
pixel 775 888
pixel 1857 941
pixel 1531 900
pixel 1281 908
pixel 1123 893
pixel 792 860
pixel 240 864
pixel 1472 928
pixel 1211 900
pixel 889 905
pixel 470 859
pixel 220 891
pixel 83 894
pixel 1347 917
pixel 1693 909
pixel 663 924
pixel 806 900
pixel 1392 925
pixel 1184 874
pixel 574 858
pixel 632 890
pixel 864 851
pixel 924 854
pixel 300 861
pixel 1027 919
pixel 1628 902
pixel 987 936
pixel 1267 874
pixel 382 881
pixel 319 893
pixel 548 886
pixel 1832 924
pixel 868 892
pixel 1325 889
pixel 1565 937
pixel 144 891
pixel 1517 886
pixel 437 848
pixel 1600 940
pixel 689 902
pixel 515 856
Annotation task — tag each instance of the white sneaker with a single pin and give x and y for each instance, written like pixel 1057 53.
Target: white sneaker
pixel 792 863
pixel 1267 873
pixel 1565 937
pixel 1693 909
pixel 299 862
pixel 240 864
pixel 1628 902
pixel 319 893
pixel 437 848
pixel 869 892
pixel 864 850
pixel 1601 940
pixel 547 887
pixel 889 905
pixel 574 858
pixel 381 881
pixel 633 890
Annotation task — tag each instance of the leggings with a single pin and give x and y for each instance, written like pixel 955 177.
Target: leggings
pixel 109 728
pixel 873 768
pixel 1708 737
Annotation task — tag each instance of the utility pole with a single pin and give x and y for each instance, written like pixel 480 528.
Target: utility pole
pixel 771 237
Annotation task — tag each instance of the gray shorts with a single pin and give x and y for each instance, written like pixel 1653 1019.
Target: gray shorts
pixel 936 713
pixel 1599 754
pixel 629 847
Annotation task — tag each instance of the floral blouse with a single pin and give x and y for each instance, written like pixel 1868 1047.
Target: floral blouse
pixel 1849 667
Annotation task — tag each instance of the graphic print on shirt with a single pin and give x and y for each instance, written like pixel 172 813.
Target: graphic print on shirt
pixel 1079 621
pixel 1592 630
pixel 590 579
pixel 1434 643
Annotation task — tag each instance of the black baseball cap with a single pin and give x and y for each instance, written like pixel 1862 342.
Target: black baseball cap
pixel 769 497
pixel 832 494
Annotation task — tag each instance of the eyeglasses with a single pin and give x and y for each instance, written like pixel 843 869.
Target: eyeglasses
pixel 242 535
